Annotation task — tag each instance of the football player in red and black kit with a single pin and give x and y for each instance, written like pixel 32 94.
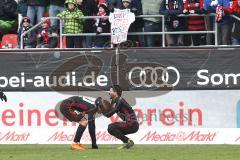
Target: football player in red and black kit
pixel 81 110
pixel 129 124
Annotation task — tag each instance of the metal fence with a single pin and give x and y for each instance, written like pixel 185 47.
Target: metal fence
pixel 162 33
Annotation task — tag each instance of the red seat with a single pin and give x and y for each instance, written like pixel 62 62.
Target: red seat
pixel 0 44
pixel 10 40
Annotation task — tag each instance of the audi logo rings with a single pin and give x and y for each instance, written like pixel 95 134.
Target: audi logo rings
pixel 154 76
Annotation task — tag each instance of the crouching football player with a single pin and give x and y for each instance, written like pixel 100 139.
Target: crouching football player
pixel 125 112
pixel 81 110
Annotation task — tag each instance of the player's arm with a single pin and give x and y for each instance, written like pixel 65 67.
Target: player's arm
pixel 112 109
pixel 106 108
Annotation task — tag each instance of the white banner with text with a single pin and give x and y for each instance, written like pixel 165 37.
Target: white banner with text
pixel 177 117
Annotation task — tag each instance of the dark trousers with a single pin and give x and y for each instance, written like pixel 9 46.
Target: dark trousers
pixel 198 39
pixel 224 34
pixel 151 39
pixel 91 129
pixel 120 129
pixel 74 41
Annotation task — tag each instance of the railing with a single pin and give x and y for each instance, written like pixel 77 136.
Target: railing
pixel 163 32
pixel 37 25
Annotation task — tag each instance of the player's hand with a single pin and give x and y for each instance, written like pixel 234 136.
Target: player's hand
pixel 3 96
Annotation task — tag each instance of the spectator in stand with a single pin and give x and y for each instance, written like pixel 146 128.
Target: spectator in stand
pixel 89 8
pixel 224 21
pixel 56 6
pixel 102 25
pixel 29 40
pixel 114 4
pixel 100 2
pixel 171 9
pixel 118 4
pixel 8 17
pixel 72 23
pixel 136 7
pixel 236 33
pixel 234 8
pixel 195 23
pixel 22 7
pixel 236 30
pixel 151 7
pixel 137 25
pixel 36 8
pixel 47 37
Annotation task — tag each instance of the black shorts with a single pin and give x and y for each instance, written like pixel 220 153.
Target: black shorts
pixel 124 127
pixel 70 113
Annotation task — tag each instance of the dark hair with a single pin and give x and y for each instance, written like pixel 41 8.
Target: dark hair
pixel 25 19
pixel 118 89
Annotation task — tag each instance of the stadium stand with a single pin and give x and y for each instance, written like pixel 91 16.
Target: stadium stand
pixel 187 10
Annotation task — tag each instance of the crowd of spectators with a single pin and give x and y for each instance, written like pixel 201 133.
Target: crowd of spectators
pixel 47 35
pixel 8 17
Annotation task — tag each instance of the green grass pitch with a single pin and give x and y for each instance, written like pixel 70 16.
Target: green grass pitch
pixel 109 152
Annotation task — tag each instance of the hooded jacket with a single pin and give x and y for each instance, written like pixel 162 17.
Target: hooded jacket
pixel 72 23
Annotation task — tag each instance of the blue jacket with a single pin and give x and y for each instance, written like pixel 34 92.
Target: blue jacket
pixel 225 3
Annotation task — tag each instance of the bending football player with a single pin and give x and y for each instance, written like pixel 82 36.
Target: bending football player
pixel 129 124
pixel 81 110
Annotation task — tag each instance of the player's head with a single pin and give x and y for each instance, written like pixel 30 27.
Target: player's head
pixel 102 105
pixel 115 91
pixel 105 106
